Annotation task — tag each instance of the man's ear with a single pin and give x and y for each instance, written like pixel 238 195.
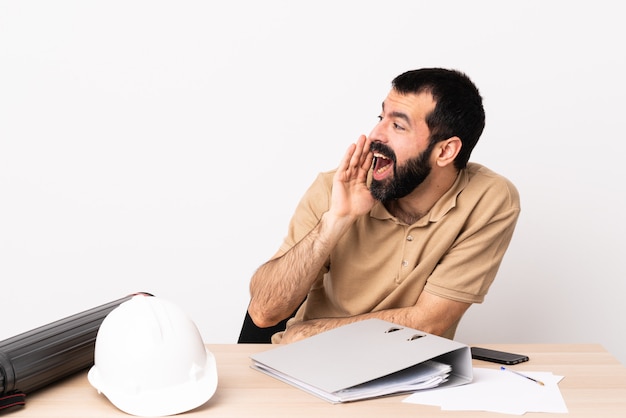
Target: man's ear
pixel 447 150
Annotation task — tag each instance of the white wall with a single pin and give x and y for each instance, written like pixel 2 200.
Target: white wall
pixel 162 146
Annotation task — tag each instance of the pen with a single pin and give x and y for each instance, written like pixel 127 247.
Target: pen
pixel 523 375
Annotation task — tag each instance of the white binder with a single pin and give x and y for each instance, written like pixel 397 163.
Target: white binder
pixel 368 359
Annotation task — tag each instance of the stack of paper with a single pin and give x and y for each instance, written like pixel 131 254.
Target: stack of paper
pixel 498 391
pixel 426 375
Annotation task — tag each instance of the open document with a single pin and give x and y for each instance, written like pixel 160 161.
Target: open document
pixel 498 391
pixel 367 359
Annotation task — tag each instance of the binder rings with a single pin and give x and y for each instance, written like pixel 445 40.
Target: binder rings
pixel 368 359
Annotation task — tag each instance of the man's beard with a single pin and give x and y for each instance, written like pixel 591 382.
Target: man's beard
pixel 405 178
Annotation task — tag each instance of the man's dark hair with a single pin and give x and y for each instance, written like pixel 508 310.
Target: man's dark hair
pixel 458 110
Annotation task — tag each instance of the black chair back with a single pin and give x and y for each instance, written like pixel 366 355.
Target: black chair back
pixel 252 334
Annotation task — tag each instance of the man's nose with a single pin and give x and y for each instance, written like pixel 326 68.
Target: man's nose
pixel 378 133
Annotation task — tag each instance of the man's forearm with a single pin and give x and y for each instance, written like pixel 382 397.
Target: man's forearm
pixel 305 329
pixel 281 284
pixel 431 314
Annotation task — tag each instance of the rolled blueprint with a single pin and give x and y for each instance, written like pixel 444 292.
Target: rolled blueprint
pixel 36 358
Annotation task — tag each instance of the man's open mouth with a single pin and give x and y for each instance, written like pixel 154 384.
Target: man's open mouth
pixel 381 163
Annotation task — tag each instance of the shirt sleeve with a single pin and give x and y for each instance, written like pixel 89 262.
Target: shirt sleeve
pixel 468 268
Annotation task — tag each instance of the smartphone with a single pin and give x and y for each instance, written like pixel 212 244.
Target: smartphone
pixel 496 356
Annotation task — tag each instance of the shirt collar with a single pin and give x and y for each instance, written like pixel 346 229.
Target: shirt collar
pixel 438 211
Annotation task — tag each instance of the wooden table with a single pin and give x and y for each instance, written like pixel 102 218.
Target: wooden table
pixel 594 386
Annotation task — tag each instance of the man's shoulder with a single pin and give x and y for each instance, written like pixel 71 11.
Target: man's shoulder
pixel 485 180
pixel 327 176
pixel 479 173
pixel 324 180
pixel 319 191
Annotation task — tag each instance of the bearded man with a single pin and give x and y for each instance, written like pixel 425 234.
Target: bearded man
pixel 406 229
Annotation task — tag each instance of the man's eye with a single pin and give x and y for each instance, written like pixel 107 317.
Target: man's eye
pixel 396 126
pixel 380 117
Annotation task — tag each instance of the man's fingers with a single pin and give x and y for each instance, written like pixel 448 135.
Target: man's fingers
pixel 356 161
pixel 360 153
pixel 366 156
pixel 347 158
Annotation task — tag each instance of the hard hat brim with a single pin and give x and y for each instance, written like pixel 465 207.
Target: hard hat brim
pixel 170 401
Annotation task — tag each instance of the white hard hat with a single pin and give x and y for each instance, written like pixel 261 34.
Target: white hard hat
pixel 150 359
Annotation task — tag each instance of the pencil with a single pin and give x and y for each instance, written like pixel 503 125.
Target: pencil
pixel 523 375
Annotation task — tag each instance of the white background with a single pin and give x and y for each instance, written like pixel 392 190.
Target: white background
pixel 162 147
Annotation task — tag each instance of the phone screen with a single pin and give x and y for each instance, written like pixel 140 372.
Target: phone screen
pixel 495 356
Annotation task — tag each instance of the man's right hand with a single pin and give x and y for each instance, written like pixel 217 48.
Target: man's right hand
pixel 351 197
